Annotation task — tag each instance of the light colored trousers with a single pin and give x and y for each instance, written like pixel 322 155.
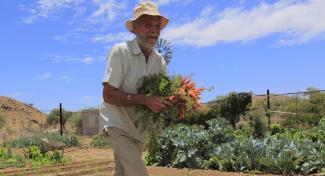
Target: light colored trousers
pixel 127 153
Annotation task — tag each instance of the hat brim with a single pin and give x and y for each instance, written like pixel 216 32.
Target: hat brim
pixel 129 23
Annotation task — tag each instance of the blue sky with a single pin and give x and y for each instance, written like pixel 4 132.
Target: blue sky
pixel 54 51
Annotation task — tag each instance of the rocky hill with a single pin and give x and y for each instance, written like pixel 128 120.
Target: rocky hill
pixel 21 119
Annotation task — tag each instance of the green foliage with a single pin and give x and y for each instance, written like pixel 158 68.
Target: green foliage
pixel 76 121
pixel 233 105
pixel 99 141
pixel 32 155
pixel 69 141
pixel 54 116
pixel 200 117
pixel 270 155
pixel 5 153
pixel 186 146
pixel 158 85
pixel 309 109
pixel 277 128
pixel 218 147
pixel 36 158
pixel 153 149
pixel 259 128
pixel 7 159
pixel 219 131
pixel 33 152
pixel 23 142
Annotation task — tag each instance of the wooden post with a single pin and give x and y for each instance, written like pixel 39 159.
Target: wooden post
pixel 268 114
pixel 61 120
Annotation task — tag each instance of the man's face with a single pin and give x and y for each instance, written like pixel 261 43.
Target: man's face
pixel 147 29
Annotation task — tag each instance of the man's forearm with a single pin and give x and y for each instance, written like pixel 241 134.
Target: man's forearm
pixel 116 97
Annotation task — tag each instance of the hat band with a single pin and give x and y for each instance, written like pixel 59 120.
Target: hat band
pixel 146 12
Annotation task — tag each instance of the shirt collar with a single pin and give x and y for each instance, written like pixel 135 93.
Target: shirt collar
pixel 135 48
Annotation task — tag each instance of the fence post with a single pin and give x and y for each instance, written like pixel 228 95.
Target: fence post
pixel 268 113
pixel 61 120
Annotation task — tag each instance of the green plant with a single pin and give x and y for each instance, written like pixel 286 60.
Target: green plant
pixel 99 141
pixel 277 128
pixel 76 121
pixel 178 93
pixel 33 153
pixel 259 128
pixel 233 105
pixel 219 131
pixel 7 159
pixel 153 150
pixel 36 158
pixel 68 140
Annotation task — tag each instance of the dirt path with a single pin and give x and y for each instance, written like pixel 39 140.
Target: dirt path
pixel 91 161
pixel 98 154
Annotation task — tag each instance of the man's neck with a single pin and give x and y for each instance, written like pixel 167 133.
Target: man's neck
pixel 145 50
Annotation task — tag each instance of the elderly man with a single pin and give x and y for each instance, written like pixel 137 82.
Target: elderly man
pixel 127 63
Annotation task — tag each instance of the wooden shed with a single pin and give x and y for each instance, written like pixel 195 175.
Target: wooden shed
pixel 90 121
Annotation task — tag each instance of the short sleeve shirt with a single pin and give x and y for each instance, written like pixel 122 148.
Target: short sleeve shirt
pixel 126 66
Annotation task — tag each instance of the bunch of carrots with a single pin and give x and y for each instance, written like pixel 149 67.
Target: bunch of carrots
pixel 181 96
pixel 186 97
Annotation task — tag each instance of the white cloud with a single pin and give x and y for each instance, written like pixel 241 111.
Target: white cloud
pixel 107 10
pixel 167 2
pixel 88 60
pixel 88 16
pixel 299 22
pixel 56 58
pixel 242 1
pixel 45 8
pixel 72 37
pixel 118 37
pixel 207 10
pixel 43 76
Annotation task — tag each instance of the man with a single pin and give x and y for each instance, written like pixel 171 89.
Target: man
pixel 127 63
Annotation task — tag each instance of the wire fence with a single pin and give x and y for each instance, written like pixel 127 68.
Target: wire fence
pixel 281 106
pixel 277 106
pixel 28 121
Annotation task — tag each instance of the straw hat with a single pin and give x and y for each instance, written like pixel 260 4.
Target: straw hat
pixel 145 8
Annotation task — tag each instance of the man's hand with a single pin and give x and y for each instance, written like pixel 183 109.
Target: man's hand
pixel 154 103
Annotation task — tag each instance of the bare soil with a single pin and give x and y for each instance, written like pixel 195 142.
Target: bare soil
pixel 90 161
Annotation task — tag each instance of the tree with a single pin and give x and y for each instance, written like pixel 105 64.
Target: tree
pixel 76 121
pixel 54 117
pixel 234 105
pixel 2 121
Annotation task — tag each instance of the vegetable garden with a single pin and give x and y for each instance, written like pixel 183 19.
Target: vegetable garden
pixel 231 134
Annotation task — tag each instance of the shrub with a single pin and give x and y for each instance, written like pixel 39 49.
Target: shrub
pixel 76 121
pixel 7 159
pixel 69 141
pixel 277 128
pixel 36 158
pixel 99 141
pixel 259 128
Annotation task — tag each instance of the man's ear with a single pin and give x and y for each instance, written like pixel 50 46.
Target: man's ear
pixel 134 26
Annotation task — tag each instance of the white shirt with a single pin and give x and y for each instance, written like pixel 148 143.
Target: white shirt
pixel 126 65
